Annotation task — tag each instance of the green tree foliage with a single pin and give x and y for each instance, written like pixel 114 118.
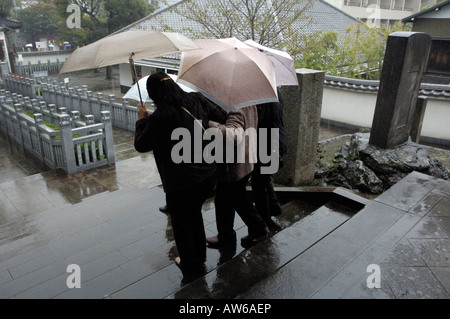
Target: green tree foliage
pixel 314 52
pixel 121 13
pixel 357 54
pixel 98 17
pixel 35 24
pixel 5 8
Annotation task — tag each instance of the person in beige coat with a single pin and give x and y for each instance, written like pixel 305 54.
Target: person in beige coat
pixel 233 175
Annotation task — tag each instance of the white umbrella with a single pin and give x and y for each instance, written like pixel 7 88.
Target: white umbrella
pixel 133 92
pixel 283 63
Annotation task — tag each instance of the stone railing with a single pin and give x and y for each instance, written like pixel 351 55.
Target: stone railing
pixel 30 69
pixel 76 146
pixel 123 115
pixel 35 62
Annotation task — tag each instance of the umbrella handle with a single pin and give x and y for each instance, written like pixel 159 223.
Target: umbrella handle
pixel 134 75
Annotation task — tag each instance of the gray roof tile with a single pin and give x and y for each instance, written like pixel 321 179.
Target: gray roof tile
pixel 324 16
pixel 427 89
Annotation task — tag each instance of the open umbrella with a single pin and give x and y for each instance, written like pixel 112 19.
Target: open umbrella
pixel 229 72
pixel 283 63
pixel 133 92
pixel 126 46
pixel 116 49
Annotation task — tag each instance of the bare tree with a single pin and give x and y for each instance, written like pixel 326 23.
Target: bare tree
pixel 265 21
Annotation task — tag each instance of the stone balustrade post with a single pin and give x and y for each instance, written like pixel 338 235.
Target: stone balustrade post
pixel 109 141
pixel 75 117
pixel 89 119
pixel 38 120
pixel 65 129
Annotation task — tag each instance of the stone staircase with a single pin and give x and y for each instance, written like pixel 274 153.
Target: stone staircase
pixel 309 215
pixel 125 248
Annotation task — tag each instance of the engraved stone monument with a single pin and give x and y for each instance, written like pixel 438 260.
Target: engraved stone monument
pixel 404 63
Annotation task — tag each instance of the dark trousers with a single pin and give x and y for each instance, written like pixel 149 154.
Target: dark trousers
pixel 266 200
pixel 232 197
pixel 187 223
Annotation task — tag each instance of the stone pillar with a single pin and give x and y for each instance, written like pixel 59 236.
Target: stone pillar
pixel 89 119
pixel 4 70
pixel 39 120
pixel 302 110
pixel 109 139
pixel 89 97
pixel 417 121
pixel 75 117
pixel 405 60
pixel 65 128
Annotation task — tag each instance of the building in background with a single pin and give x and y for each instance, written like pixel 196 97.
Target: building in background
pixel 436 22
pixel 379 12
pixel 6 27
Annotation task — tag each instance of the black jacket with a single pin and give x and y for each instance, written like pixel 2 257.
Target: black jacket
pixel 270 115
pixel 154 134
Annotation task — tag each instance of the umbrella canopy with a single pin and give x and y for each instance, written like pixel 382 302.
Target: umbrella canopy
pixel 116 49
pixel 229 72
pixel 283 63
pixel 133 92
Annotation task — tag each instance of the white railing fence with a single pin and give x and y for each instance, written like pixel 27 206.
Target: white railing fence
pixel 73 147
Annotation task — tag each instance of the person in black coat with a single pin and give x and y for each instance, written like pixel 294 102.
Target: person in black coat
pixel 187 184
pixel 270 115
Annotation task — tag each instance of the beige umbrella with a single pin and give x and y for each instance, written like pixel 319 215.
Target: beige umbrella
pixel 126 46
pixel 116 49
pixel 229 72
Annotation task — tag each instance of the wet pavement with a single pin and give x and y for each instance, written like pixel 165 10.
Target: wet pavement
pixel 107 221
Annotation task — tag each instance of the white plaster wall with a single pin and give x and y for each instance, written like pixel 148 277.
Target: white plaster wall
pixel 436 121
pixel 126 78
pixel 350 107
pixel 125 75
pixel 357 108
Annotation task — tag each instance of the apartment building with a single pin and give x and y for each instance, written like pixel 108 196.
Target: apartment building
pixel 377 12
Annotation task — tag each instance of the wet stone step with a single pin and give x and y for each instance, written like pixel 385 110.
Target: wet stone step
pixel 294 240
pixel 235 277
pixel 294 211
